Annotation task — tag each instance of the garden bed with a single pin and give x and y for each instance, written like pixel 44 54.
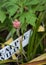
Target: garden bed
pixel 22 30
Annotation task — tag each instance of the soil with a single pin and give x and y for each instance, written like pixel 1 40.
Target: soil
pixel 37 62
pixel 3 35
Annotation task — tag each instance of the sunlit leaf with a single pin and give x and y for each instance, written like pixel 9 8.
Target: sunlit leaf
pixel 12 10
pixel 2 16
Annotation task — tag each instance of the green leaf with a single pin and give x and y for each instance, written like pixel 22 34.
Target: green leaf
pixel 40 8
pixel 31 18
pixel 12 9
pixel 12 31
pixel 43 2
pixel 17 15
pixel 34 2
pixel 32 21
pixel 2 16
pixel 13 1
pixel 22 18
pixel 24 27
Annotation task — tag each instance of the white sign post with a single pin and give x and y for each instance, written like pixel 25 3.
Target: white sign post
pixel 7 51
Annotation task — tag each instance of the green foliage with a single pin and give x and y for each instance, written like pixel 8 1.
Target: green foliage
pixel 36 39
pixel 14 7
pixel 2 16
pixel 21 10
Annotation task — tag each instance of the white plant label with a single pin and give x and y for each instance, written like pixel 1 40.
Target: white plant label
pixel 12 48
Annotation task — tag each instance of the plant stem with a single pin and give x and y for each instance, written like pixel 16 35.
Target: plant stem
pixel 21 48
pixel 38 44
pixel 33 37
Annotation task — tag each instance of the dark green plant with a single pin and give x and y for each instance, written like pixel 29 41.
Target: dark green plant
pixel 36 39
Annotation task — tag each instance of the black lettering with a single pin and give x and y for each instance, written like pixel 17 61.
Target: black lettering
pixel 17 41
pixel 7 49
pixel 14 50
pixel 0 54
pixel 24 37
pixel 15 44
pixel 7 55
pixel 10 47
pixel 17 47
pixel 10 53
pixel 2 58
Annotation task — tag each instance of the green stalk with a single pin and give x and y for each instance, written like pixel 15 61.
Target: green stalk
pixel 32 38
pixel 21 48
pixel 31 44
pixel 7 61
pixel 34 52
pixel 37 38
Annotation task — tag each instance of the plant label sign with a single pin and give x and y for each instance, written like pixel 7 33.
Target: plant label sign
pixel 12 48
